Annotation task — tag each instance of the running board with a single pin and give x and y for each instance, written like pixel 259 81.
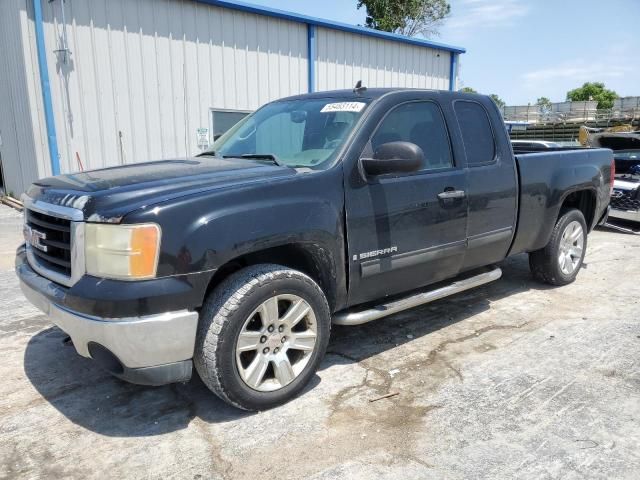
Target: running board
pixel 364 316
pixel 621 229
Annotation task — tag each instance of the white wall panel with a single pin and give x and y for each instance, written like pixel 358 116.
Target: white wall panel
pixel 24 151
pixel 39 165
pixel 142 75
pixel 344 58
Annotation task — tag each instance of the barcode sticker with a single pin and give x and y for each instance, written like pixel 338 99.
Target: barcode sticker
pixel 343 107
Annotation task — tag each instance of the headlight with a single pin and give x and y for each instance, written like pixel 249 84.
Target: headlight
pixel 123 252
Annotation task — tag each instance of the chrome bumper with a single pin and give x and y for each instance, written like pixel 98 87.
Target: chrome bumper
pixel 137 342
pixel 632 215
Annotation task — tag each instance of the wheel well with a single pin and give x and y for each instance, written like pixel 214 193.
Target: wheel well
pixel 583 200
pixel 312 259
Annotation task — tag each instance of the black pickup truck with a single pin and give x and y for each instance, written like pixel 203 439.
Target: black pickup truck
pixel 337 207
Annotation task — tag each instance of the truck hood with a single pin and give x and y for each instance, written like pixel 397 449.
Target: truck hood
pixel 108 194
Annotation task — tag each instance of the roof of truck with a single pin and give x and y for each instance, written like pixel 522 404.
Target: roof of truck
pixel 369 93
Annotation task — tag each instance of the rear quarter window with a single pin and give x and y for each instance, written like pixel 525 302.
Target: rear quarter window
pixel 477 134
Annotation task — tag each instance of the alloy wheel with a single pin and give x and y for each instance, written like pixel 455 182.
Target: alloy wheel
pixel 571 247
pixel 276 343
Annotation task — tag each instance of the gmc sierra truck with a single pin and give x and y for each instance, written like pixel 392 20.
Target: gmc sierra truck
pixel 336 207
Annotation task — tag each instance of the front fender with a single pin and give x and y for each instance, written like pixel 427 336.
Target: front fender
pixel 239 229
pixel 203 232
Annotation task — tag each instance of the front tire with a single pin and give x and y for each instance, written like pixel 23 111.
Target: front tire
pixel 559 262
pixel 262 335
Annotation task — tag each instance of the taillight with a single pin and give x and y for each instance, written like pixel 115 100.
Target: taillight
pixel 613 174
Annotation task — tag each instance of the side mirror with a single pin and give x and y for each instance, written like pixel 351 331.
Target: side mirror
pixel 394 157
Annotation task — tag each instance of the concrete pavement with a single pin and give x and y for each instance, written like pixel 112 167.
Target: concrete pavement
pixel 512 380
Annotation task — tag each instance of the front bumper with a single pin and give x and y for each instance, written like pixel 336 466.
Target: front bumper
pixel 151 350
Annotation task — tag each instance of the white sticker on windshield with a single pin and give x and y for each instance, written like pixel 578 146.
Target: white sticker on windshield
pixel 343 107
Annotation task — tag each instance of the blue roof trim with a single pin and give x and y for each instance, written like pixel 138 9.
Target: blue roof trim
pixel 320 22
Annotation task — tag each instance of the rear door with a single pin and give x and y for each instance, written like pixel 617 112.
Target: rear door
pixel 492 182
pixel 406 230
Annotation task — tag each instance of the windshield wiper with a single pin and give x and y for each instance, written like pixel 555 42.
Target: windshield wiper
pixel 259 156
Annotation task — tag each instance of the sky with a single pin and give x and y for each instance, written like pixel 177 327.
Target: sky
pixel 522 50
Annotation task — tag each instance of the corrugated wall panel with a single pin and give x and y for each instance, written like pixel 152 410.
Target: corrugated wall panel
pixel 142 75
pixel 23 149
pixel 344 58
pixel 11 68
pixel 40 164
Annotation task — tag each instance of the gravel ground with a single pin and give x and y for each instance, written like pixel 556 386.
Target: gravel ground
pixel 512 380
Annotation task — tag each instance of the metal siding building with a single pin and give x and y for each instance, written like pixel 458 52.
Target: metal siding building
pixel 95 83
pixel 343 58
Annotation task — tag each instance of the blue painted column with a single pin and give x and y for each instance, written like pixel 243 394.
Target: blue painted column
pixel 312 54
pixel 453 71
pixel 46 89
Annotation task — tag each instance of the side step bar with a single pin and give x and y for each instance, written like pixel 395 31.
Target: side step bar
pixel 364 316
pixel 621 229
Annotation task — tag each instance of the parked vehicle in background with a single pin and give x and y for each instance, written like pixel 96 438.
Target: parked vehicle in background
pixel 333 207
pixel 627 161
pixel 625 197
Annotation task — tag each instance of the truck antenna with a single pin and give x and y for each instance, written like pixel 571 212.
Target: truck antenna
pixel 359 88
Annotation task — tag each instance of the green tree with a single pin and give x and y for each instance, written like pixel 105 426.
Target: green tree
pixel 497 100
pixel 544 105
pixel 593 91
pixel 467 90
pixel 406 17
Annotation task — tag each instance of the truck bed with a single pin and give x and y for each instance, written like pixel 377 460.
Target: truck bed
pixel 546 179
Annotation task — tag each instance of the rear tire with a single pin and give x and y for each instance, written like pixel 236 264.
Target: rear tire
pixel 262 335
pixel 559 262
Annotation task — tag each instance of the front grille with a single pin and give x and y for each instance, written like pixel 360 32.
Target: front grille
pixel 56 238
pixel 624 200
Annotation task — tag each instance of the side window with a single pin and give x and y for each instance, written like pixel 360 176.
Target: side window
pixel 477 135
pixel 421 123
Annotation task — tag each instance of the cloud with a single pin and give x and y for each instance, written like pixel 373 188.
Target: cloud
pixel 576 71
pixel 610 64
pixel 487 13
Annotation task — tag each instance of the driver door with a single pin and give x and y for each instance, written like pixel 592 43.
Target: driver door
pixel 406 230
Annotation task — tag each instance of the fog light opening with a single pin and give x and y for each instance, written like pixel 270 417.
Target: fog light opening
pixel 105 358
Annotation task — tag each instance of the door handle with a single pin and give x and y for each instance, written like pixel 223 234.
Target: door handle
pixel 451 194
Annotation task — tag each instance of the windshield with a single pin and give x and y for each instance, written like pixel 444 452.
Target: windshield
pixel 295 133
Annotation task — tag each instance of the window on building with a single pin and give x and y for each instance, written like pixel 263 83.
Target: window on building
pixel 223 120
pixel 477 135
pixel 421 123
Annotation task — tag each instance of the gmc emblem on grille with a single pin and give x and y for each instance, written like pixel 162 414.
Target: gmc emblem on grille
pixel 34 238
